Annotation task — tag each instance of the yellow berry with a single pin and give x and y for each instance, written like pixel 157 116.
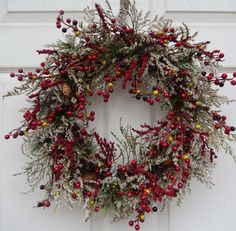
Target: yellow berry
pixel 174 71
pixel 118 73
pixel 185 156
pixel 99 165
pixel 178 118
pixel 77 33
pixel 57 194
pixel 104 62
pixel 147 190
pixel 170 138
pixel 34 77
pixel 92 202
pixel 155 93
pixel 198 103
pixel 190 84
pixel 138 92
pixel 110 85
pixel 160 33
pixel 142 218
pixel 44 124
pixel 198 126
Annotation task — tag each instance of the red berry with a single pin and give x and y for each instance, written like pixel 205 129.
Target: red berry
pixel 37 70
pixel 187 161
pixel 7 136
pixel 109 163
pixel 69 113
pixel 80 115
pixel 68 20
pixel 77 185
pixel 224 76
pixel 233 82
pixel 12 74
pixel 180 185
pixel 61 12
pixel 172 30
pixel 170 113
pixel 83 132
pixel 221 55
pixel 186 172
pixel 108 173
pixel 115 28
pixel 217 126
pixel 133 162
pixel 60 166
pixel 129 194
pixel 20 70
pixel 210 76
pixel 177 168
pixel 171 177
pixel 234 74
pixel 86 68
pixel 88 194
pixel 131 223
pixel 46 203
pixel 113 20
pixel 58 25
pixel 20 78
pixel 124 27
pixel 122 168
pixel 166 29
pixel 137 227
pixel 175 148
pixel 87 39
pixel 148 210
pixel 166 95
pixel 178 44
pixel 81 68
pixel 164 145
pixel 15 135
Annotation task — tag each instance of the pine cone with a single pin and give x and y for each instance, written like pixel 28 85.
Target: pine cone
pixel 90 178
pixel 66 89
pixel 168 163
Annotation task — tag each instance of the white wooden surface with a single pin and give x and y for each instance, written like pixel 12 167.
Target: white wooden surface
pixel 27 25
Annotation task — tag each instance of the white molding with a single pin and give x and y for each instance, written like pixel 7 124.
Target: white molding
pixel 9 69
pixel 200 6
pixel 3 9
pixel 36 17
pixel 203 17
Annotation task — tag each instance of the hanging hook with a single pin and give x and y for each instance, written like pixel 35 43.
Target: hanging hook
pixel 124 8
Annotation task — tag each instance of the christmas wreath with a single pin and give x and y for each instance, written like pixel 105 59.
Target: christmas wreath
pixel 157 63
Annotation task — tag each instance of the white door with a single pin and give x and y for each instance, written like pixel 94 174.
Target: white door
pixel 27 25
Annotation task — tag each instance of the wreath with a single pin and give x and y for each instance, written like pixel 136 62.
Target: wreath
pixel 149 166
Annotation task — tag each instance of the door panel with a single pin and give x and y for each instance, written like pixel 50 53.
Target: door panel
pixel 26 26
